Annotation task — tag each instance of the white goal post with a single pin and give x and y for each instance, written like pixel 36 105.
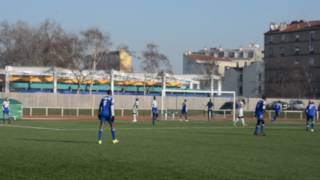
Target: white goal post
pixel 212 94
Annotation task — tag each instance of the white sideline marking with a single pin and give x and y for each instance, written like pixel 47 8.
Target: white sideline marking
pixel 144 128
pixel 30 127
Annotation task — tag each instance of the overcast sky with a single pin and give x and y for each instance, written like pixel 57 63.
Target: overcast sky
pixel 175 25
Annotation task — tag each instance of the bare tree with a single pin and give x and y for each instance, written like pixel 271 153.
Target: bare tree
pixel 78 65
pixel 47 45
pixel 55 45
pixel 209 70
pixel 155 62
pixel 96 45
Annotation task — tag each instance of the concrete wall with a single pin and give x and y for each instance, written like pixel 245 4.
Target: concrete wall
pixel 125 102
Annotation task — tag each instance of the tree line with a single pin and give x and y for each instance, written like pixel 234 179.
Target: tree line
pixel 49 45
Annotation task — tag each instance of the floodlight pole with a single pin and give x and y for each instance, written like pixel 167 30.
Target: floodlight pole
pixel 144 84
pixel 7 79
pixel 112 82
pixel 163 92
pixel 219 87
pixel 54 80
pixel 211 85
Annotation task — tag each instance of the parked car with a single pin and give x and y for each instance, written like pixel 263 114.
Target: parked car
pixel 296 105
pixel 270 106
pixel 227 105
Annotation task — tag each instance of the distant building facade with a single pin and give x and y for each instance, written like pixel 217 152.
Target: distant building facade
pixel 246 81
pixel 292 59
pixel 200 62
pixel 120 60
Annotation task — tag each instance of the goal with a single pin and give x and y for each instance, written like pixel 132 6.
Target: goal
pixel 197 100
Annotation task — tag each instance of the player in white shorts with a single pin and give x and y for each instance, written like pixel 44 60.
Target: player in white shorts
pixel 135 110
pixel 240 114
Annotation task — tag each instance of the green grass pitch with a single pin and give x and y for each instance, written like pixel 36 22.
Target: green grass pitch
pixel 173 150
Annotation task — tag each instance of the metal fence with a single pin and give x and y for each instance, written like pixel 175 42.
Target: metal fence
pixel 168 114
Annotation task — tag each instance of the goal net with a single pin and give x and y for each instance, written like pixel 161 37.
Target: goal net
pixel 197 102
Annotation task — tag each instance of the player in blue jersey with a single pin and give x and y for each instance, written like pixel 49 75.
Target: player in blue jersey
pixel 311 114
pixel 184 111
pixel 6 110
pixel 154 110
pixel 277 109
pixel 106 114
pixel 210 110
pixel 259 114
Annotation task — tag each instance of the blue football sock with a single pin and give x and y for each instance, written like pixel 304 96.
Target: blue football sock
pixel 262 128
pixel 100 133
pixel 153 121
pixel 113 133
pixel 257 129
pixel 312 125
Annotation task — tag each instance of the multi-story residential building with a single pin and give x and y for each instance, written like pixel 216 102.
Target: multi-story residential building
pixel 247 81
pixel 253 80
pixel 120 60
pixel 216 60
pixel 292 59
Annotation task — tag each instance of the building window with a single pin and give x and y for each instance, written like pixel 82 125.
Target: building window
pixel 260 77
pixel 241 78
pixel 312 35
pixel 297 51
pixel 259 89
pixel 311 48
pixel 271 39
pixel 297 37
pixel 282 51
pixel 311 60
pixel 270 52
pixel 231 54
pixel 240 90
pixel 237 64
pixel 283 37
pixel 221 54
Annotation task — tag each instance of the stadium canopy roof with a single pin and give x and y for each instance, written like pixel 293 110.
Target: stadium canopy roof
pixel 99 75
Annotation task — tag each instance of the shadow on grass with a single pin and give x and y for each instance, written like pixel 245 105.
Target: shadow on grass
pixel 57 141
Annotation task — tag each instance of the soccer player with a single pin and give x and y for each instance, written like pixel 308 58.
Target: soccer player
pixel 240 117
pixel 135 109
pixel 277 110
pixel 154 110
pixel 210 110
pixel 259 114
pixel 184 111
pixel 6 110
pixel 311 113
pixel 106 114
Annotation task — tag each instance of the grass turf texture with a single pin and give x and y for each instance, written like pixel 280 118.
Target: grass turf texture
pixel 173 150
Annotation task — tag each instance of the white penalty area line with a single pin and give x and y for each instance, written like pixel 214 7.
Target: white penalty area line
pixel 144 128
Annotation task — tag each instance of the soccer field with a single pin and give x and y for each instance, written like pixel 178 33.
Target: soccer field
pixel 173 150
